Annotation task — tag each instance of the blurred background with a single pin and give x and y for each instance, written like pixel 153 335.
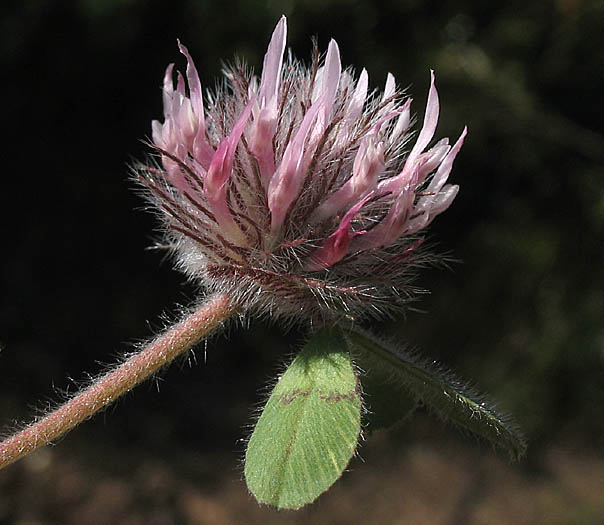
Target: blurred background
pixel 520 314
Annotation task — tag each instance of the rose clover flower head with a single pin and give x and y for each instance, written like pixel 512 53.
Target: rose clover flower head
pixel 298 193
pixel 304 195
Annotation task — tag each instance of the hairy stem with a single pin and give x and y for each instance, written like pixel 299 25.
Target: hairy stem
pixel 110 386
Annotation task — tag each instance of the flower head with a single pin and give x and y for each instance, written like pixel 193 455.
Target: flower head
pixel 298 192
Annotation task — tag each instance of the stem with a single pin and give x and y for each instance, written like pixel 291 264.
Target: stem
pixel 110 386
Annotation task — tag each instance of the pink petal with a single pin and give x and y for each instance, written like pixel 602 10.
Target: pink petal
pixel 273 61
pixel 194 86
pixel 156 133
pixel 188 122
pixel 393 225
pixel 260 141
pixel 336 246
pixel 444 199
pixel 395 221
pixel 180 84
pixel 262 131
pixel 426 214
pixel 402 124
pixel 368 166
pixel 403 179
pixel 285 185
pixel 442 174
pixel 357 101
pixel 389 91
pixel 431 159
pixel 200 149
pixel 215 182
pixel 331 78
pixel 168 90
pixel 390 87
pixel 430 122
pixel 439 197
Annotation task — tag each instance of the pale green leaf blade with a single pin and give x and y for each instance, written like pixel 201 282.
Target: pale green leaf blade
pixel 309 428
pixel 440 391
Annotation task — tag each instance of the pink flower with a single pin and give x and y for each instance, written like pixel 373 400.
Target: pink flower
pixel 294 191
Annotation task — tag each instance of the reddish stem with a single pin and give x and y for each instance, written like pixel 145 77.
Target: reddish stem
pixel 109 387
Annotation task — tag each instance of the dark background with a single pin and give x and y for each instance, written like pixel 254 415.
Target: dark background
pixel 521 314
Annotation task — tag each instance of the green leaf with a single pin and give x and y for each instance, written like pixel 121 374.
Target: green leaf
pixel 385 401
pixel 309 428
pixel 440 391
